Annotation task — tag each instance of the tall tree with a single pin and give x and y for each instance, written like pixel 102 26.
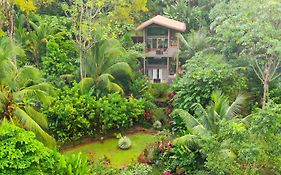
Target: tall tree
pixel 255 28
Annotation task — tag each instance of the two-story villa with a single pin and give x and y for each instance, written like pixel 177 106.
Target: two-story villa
pixel 161 47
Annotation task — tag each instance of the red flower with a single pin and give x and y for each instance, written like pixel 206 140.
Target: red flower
pixel 167 173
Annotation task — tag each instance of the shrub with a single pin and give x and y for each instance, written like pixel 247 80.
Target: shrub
pixel 137 169
pixel 159 90
pixel 246 148
pixel 73 116
pixel 75 164
pixel 22 153
pixel 157 124
pixel 101 167
pixel 117 113
pixel 205 73
pixel 61 57
pixel 124 143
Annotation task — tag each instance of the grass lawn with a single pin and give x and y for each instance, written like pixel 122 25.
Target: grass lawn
pixel 110 149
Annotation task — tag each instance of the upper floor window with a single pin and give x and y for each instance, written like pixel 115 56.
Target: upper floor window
pixel 157 30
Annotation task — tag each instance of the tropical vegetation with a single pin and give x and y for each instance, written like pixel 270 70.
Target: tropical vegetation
pixel 74 98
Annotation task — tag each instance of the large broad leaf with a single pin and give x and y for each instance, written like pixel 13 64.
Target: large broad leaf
pixel 42 92
pixel 189 140
pixel 28 123
pixel 120 70
pixel 188 119
pixel 236 107
pixel 86 85
pixel 7 73
pixel 38 117
pixel 26 75
pixel 114 87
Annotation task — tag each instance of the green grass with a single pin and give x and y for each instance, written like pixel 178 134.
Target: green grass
pixel 110 149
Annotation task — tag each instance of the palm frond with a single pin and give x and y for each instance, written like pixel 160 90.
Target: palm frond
pixel 7 72
pixel 42 92
pixel 114 87
pixel 86 84
pixel 38 117
pixel 28 123
pixel 3 100
pixel 236 107
pixel 189 140
pixel 121 69
pixel 220 103
pixel 187 118
pixel 103 81
pixel 26 75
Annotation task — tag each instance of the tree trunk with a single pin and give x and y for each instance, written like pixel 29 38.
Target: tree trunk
pixel 81 62
pixel 266 81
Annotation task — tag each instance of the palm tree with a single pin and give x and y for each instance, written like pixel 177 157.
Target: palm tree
pixel 20 90
pixel 104 67
pixel 205 121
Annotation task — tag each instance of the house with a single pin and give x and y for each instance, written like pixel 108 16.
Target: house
pixel 161 47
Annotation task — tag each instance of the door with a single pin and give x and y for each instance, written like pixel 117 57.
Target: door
pixel 157 75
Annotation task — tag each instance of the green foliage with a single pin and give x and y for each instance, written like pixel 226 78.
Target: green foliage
pixel 157 124
pixel 203 74
pixel 21 92
pixel 73 115
pixel 124 143
pixel 22 153
pixel 61 56
pixel 159 90
pixel 246 147
pixel 115 112
pixel 101 167
pixel 73 165
pixel 102 64
pixel 137 169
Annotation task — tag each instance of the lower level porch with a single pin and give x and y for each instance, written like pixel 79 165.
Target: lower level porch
pixel 160 70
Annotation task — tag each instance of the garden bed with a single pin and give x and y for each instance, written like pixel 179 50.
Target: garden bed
pixel 109 148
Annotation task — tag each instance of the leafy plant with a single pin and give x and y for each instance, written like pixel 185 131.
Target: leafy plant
pixel 22 153
pixel 137 169
pixel 103 69
pixel 157 124
pixel 73 165
pixel 21 92
pixel 205 73
pixel 205 121
pixel 124 143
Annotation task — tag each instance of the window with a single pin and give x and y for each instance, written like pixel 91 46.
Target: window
pixel 156 30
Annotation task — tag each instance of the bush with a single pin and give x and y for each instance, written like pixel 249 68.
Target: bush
pixel 61 57
pixel 73 116
pixel 117 113
pixel 124 143
pixel 22 153
pixel 159 90
pixel 205 73
pixel 247 148
pixel 157 124
pixel 137 169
